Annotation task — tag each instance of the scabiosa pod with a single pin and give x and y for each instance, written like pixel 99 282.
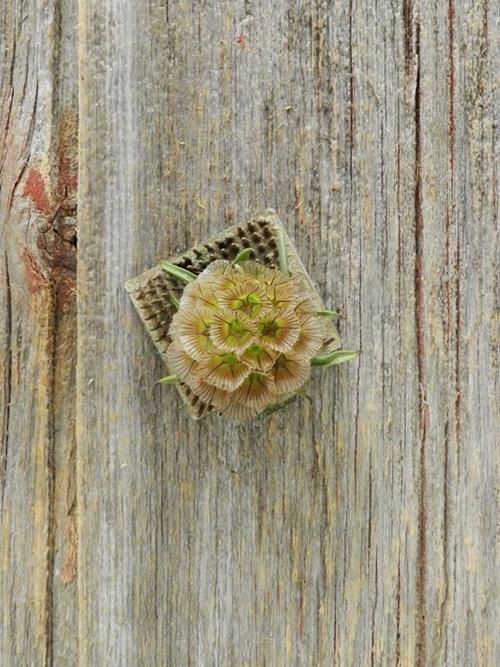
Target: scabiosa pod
pixel 244 336
pixel 238 321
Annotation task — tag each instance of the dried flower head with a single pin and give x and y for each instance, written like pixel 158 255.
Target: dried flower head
pixel 244 336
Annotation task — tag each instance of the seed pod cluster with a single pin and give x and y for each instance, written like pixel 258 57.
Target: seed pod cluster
pixel 243 337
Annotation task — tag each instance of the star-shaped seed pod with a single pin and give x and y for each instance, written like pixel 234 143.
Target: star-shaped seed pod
pixel 191 328
pixel 244 336
pixel 278 330
pixel 249 297
pixel 232 331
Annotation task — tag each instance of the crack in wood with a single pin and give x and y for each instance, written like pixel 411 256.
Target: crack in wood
pixel 7 383
pixel 420 349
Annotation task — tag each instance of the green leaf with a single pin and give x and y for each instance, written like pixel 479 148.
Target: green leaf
pixel 174 299
pixel 334 358
pixel 328 313
pixel 243 256
pixel 303 394
pixel 169 379
pixel 275 407
pixel 282 256
pixel 178 272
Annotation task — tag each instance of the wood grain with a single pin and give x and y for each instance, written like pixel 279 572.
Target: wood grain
pixel 38 179
pixel 356 530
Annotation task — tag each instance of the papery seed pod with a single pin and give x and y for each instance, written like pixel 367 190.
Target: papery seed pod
pixel 198 295
pixel 249 296
pixel 223 370
pixel 247 330
pixel 208 393
pixel 289 373
pixel 310 338
pixel 232 331
pixel 278 330
pixel 243 337
pixel 180 362
pixel 191 328
pixel 256 391
pixel 220 275
pixel 259 358
pixel 240 413
pixel 265 275
pixel 283 295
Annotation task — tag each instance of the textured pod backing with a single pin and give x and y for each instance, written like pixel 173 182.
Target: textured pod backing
pixel 151 291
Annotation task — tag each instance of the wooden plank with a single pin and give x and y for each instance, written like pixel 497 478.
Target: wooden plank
pixel 358 530
pixel 38 174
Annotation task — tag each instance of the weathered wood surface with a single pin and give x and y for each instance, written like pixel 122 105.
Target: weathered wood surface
pixel 38 178
pixel 357 530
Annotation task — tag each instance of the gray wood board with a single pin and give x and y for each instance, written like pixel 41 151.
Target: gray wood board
pixel 38 180
pixel 356 530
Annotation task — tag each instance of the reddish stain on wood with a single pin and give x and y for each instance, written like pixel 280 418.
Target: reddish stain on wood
pixel 35 189
pixel 48 203
pixel 68 570
pixel 65 287
pixel 33 273
pixel 60 279
pixel 56 234
pixel 241 42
